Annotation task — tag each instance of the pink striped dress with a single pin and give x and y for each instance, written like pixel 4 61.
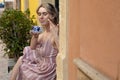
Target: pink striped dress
pixel 39 64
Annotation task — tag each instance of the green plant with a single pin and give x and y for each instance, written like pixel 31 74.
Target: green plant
pixel 14 30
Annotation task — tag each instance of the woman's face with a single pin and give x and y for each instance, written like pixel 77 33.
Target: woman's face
pixel 43 16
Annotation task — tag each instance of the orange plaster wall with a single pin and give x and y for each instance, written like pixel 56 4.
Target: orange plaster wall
pixel 94 35
pixel 100 35
pixel 73 37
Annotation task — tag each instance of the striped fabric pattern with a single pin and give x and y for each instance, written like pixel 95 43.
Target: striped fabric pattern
pixel 39 64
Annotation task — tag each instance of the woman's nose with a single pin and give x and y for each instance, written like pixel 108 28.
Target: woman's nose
pixel 41 16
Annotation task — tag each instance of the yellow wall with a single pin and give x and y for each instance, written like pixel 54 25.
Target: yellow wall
pixel 33 4
pixel 22 5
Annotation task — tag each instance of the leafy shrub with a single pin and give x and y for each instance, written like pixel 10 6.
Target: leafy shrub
pixel 14 30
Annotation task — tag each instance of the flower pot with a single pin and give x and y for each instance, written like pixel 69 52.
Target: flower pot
pixel 11 63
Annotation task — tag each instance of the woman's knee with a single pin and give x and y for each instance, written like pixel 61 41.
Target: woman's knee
pixel 26 49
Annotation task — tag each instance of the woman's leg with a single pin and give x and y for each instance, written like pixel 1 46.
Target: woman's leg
pixel 15 69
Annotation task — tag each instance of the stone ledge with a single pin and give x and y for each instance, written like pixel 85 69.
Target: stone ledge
pixel 89 71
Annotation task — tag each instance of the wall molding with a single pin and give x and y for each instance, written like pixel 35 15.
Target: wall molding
pixel 88 70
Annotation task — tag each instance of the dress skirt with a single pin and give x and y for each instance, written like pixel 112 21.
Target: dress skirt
pixel 38 64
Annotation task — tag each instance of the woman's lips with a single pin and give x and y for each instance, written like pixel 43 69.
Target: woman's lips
pixel 42 21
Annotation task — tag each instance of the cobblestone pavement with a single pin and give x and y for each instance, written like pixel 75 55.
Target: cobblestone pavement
pixel 3 60
pixel 4 75
pixel 3 64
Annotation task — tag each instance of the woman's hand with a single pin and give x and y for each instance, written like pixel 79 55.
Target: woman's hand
pixel 34 39
pixel 54 28
pixel 35 34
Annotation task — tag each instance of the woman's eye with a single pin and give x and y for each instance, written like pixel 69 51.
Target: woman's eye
pixel 39 14
pixel 42 14
pixel 45 13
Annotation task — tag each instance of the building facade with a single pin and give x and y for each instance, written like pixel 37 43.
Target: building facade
pixel 89 38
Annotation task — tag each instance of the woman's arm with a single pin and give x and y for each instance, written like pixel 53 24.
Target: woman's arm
pixel 33 42
pixel 55 33
pixel 34 39
pixel 56 40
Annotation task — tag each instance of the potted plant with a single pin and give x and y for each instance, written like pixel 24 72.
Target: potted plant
pixel 14 31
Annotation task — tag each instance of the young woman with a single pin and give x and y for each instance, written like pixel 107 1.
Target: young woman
pixel 39 59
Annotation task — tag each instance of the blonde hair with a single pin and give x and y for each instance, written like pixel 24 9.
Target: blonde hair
pixel 51 10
